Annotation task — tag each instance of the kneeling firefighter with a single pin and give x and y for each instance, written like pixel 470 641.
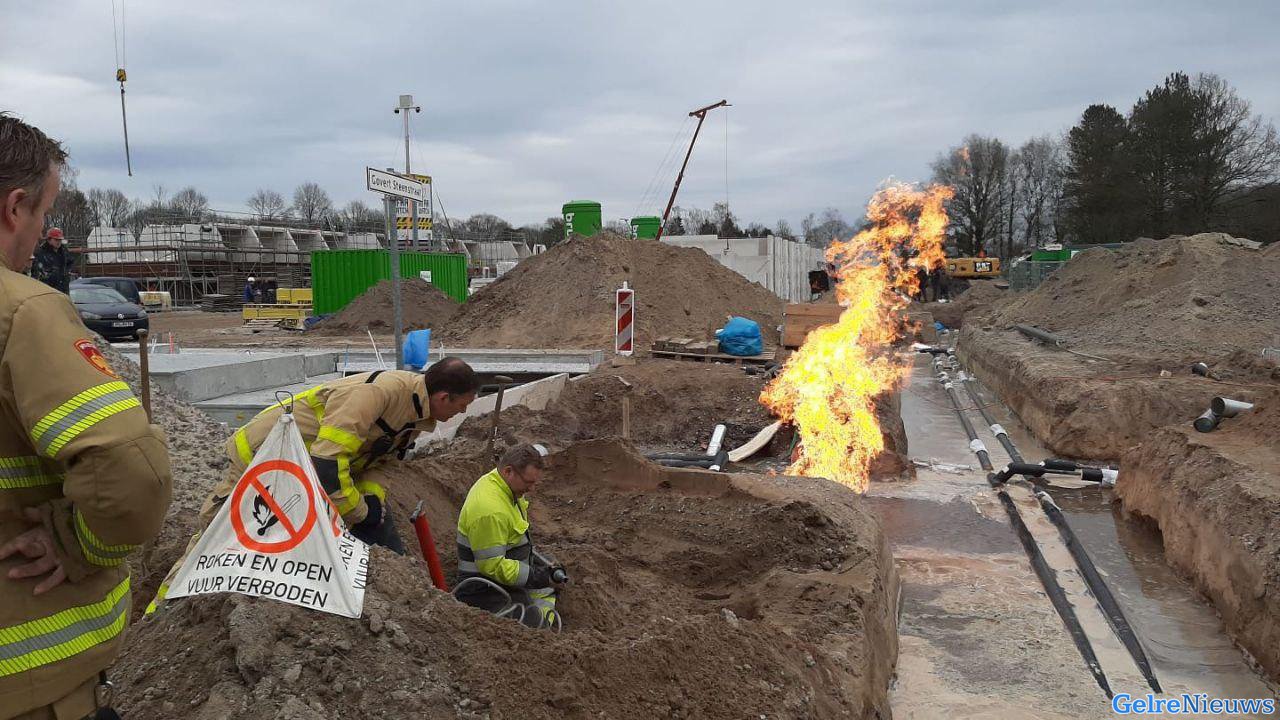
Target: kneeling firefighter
pixel 350 427
pixel 495 546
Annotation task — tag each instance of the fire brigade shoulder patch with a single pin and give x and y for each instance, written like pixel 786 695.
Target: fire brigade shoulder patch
pixel 95 357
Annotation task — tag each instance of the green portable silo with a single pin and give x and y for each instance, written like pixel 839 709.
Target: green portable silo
pixel 582 217
pixel 646 226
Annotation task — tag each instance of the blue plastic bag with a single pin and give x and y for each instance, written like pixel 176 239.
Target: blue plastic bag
pixel 740 336
pixel 416 349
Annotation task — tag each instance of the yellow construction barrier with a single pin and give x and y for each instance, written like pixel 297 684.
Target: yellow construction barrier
pixel 293 296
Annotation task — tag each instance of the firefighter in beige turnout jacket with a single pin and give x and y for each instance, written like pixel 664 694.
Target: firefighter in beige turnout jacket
pixel 350 427
pixel 84 478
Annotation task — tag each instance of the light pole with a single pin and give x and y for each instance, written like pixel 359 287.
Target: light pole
pixel 405 105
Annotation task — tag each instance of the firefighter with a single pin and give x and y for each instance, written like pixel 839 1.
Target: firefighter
pixel 52 262
pixel 351 426
pixel 84 478
pixel 494 543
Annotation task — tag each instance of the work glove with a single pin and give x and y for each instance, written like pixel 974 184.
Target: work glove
pixel 373 519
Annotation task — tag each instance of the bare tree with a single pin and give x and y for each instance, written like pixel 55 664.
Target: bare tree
pixel 110 207
pixel 311 203
pixel 71 211
pixel 820 230
pixel 976 171
pixel 268 204
pixel 355 216
pixel 190 203
pixel 486 226
pixel 1037 169
pixel 1234 149
pixel 783 230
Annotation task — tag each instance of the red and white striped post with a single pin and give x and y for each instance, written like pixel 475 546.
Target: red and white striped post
pixel 624 307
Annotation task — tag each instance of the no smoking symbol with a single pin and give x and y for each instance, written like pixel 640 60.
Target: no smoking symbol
pixel 295 533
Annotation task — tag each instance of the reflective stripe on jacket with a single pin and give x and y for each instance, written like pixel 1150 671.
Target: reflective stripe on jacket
pixel 348 426
pixel 493 536
pixel 76 445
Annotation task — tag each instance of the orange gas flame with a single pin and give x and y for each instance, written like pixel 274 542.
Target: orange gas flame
pixel 828 388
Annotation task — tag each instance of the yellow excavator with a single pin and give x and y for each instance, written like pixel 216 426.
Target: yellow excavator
pixel 973 268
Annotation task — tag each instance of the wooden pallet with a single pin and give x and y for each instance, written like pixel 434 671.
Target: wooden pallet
pixel 262 324
pixel 763 358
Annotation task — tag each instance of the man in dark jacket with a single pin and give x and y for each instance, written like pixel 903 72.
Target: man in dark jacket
pixel 52 262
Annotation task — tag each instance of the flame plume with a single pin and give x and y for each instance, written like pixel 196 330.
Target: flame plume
pixel 828 388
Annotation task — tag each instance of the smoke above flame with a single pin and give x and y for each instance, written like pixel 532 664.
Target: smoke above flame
pixel 829 387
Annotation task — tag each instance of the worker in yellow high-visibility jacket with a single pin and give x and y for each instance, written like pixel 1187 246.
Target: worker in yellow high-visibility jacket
pixel 494 543
pixel 350 427
pixel 84 478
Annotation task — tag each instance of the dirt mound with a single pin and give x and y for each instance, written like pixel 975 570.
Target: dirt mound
pixel 195 452
pixel 979 297
pixel 565 296
pixel 423 305
pixel 694 595
pixel 1197 297
pixel 674 404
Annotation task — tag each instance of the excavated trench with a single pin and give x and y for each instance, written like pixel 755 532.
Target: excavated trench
pixel 978 636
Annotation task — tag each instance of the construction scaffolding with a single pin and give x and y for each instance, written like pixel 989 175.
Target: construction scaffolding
pixel 190 260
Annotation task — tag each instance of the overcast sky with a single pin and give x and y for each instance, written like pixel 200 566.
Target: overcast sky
pixel 529 104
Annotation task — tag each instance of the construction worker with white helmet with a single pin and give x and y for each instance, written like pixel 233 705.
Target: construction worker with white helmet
pixel 84 478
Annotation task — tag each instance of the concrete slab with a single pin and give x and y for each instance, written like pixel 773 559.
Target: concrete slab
pixel 238 409
pixel 197 376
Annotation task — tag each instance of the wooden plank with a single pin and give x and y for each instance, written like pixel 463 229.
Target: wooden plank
pixel 824 310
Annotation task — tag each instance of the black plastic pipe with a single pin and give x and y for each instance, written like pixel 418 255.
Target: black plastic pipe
pixel 1052 587
pixel 1089 572
pixel 1036 333
pixel 996 428
pixel 704 463
pixel 1101 592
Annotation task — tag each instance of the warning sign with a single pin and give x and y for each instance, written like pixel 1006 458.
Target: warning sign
pixel 268 539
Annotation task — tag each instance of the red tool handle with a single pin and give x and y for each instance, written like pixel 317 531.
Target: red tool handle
pixel 428 545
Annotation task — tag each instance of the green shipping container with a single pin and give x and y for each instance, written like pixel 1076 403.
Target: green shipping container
pixel 340 276
pixel 582 217
pixel 646 226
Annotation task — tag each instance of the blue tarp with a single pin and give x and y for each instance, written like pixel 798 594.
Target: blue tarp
pixel 740 336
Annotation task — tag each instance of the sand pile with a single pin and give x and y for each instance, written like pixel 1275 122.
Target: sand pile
pixel 195 452
pixel 694 595
pixel 674 404
pixel 423 305
pixel 979 297
pixel 565 297
pixel 1196 297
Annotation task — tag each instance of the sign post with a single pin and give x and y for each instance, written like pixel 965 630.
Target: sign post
pixel 624 312
pixel 392 186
